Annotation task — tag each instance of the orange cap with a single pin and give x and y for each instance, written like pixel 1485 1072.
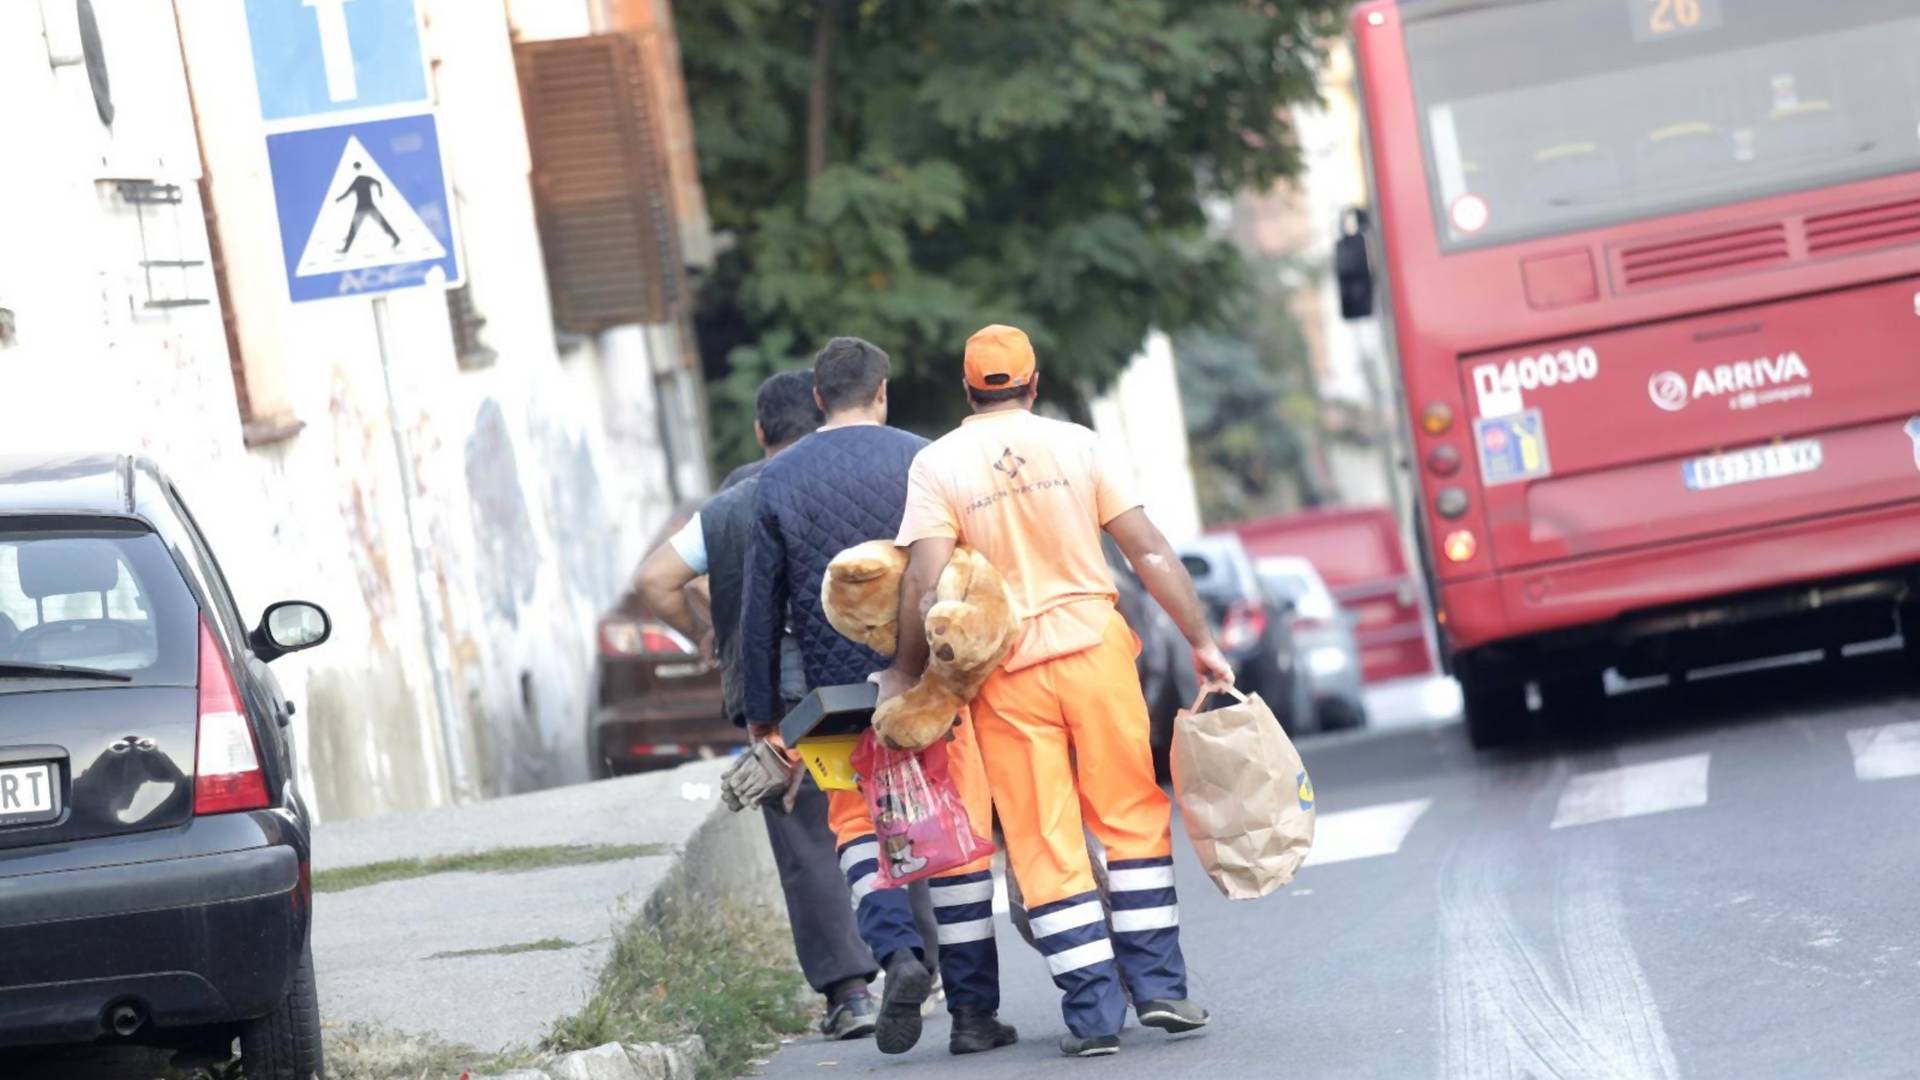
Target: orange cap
pixel 999 358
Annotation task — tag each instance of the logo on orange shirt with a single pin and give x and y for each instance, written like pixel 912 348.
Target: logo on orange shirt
pixel 1010 463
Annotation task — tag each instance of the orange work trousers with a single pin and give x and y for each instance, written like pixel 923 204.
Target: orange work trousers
pixel 851 820
pixel 1067 741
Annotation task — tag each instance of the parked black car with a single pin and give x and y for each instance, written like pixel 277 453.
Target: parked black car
pixel 1166 661
pixel 656 700
pixel 154 883
pixel 1250 623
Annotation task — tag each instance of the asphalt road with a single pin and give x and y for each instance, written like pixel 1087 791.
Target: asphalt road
pixel 1720 884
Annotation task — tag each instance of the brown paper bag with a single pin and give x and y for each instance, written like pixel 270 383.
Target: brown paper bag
pixel 1244 795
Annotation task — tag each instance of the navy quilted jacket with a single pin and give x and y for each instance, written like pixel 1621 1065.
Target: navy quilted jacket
pixel 821 496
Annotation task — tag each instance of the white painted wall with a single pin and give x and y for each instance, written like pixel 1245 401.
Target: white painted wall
pixel 540 478
pixel 1142 425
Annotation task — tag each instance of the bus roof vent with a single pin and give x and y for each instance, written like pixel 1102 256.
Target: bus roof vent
pixel 1880 225
pixel 1668 262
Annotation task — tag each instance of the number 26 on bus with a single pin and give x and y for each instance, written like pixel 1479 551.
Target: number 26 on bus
pixel 1661 18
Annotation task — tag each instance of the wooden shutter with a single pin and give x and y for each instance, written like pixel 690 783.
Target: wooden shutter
pixel 600 183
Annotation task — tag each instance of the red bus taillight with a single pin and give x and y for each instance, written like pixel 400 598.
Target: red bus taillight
pixel 1436 419
pixel 642 637
pixel 227 774
pixel 1460 546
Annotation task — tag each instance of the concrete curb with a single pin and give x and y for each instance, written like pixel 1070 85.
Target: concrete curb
pixel 727 858
pixel 614 1061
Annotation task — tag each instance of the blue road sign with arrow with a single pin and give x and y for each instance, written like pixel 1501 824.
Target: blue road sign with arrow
pixel 316 57
pixel 364 208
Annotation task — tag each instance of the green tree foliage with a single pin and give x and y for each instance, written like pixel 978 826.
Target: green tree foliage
pixel 1252 408
pixel 1037 162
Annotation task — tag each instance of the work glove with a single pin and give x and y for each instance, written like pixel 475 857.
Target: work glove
pixel 762 775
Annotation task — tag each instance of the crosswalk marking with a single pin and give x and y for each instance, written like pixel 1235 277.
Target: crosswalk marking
pixel 1886 752
pixel 1633 791
pixel 1364 832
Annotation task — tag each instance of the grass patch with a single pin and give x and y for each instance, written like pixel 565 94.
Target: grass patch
pixel 552 944
pixel 498 861
pixel 362 1052
pixel 717 970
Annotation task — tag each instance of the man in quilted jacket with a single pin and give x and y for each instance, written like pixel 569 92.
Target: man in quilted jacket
pixel 843 485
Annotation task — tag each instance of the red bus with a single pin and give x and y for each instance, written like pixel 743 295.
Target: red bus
pixel 1358 553
pixel 1651 272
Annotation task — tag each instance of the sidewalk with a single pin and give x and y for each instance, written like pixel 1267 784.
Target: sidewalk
pixel 534 939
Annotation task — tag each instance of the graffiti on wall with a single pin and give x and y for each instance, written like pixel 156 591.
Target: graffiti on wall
pixel 509 562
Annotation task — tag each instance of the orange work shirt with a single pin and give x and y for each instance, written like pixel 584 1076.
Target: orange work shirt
pixel 1032 495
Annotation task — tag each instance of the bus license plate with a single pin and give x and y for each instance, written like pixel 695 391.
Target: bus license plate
pixel 1758 463
pixel 26 794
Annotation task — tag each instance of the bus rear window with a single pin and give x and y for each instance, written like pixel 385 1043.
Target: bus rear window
pixel 1557 115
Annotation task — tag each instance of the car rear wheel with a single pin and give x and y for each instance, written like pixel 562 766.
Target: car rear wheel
pixel 285 1043
pixel 1342 714
pixel 1496 705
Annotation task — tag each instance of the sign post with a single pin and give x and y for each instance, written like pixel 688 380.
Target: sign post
pixel 364 205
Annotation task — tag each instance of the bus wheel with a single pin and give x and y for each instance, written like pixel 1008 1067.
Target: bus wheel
pixel 1573 704
pixel 1496 706
pixel 1910 635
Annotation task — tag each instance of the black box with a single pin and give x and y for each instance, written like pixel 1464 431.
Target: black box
pixel 831 710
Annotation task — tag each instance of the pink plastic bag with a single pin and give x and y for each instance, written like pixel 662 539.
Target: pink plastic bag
pixel 918 818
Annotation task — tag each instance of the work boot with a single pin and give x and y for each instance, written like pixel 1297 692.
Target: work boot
pixel 976 1032
pixel 1086 1046
pixel 853 1017
pixel 908 983
pixel 1173 1017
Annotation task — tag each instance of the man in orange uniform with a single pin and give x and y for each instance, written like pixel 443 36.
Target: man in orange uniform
pixel 1062 725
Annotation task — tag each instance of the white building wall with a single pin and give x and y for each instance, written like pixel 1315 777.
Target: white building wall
pixel 1141 422
pixel 539 478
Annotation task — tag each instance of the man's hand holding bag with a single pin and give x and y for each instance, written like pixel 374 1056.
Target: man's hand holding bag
pixel 1244 794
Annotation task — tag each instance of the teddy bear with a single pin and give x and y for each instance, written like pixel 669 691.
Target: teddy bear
pixel 971 627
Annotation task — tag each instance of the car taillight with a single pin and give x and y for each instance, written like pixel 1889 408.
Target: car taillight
pixel 227 774
pixel 1243 627
pixel 642 637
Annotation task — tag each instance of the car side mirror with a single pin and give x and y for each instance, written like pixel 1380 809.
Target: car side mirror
pixel 1353 266
pixel 290 626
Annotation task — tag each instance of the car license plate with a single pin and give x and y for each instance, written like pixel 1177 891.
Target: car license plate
pixel 27 794
pixel 1747 466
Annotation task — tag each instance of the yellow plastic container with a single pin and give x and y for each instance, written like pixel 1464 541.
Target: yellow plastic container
pixel 830 759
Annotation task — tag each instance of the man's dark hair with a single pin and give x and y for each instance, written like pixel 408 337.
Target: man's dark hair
pixel 785 407
pixel 997 397
pixel 848 373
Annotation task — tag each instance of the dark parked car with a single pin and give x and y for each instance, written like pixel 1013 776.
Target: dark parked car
pixel 1166 662
pixel 656 699
pixel 154 882
pixel 1323 640
pixel 1249 622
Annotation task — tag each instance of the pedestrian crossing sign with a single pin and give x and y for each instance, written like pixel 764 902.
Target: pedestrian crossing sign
pixel 364 208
